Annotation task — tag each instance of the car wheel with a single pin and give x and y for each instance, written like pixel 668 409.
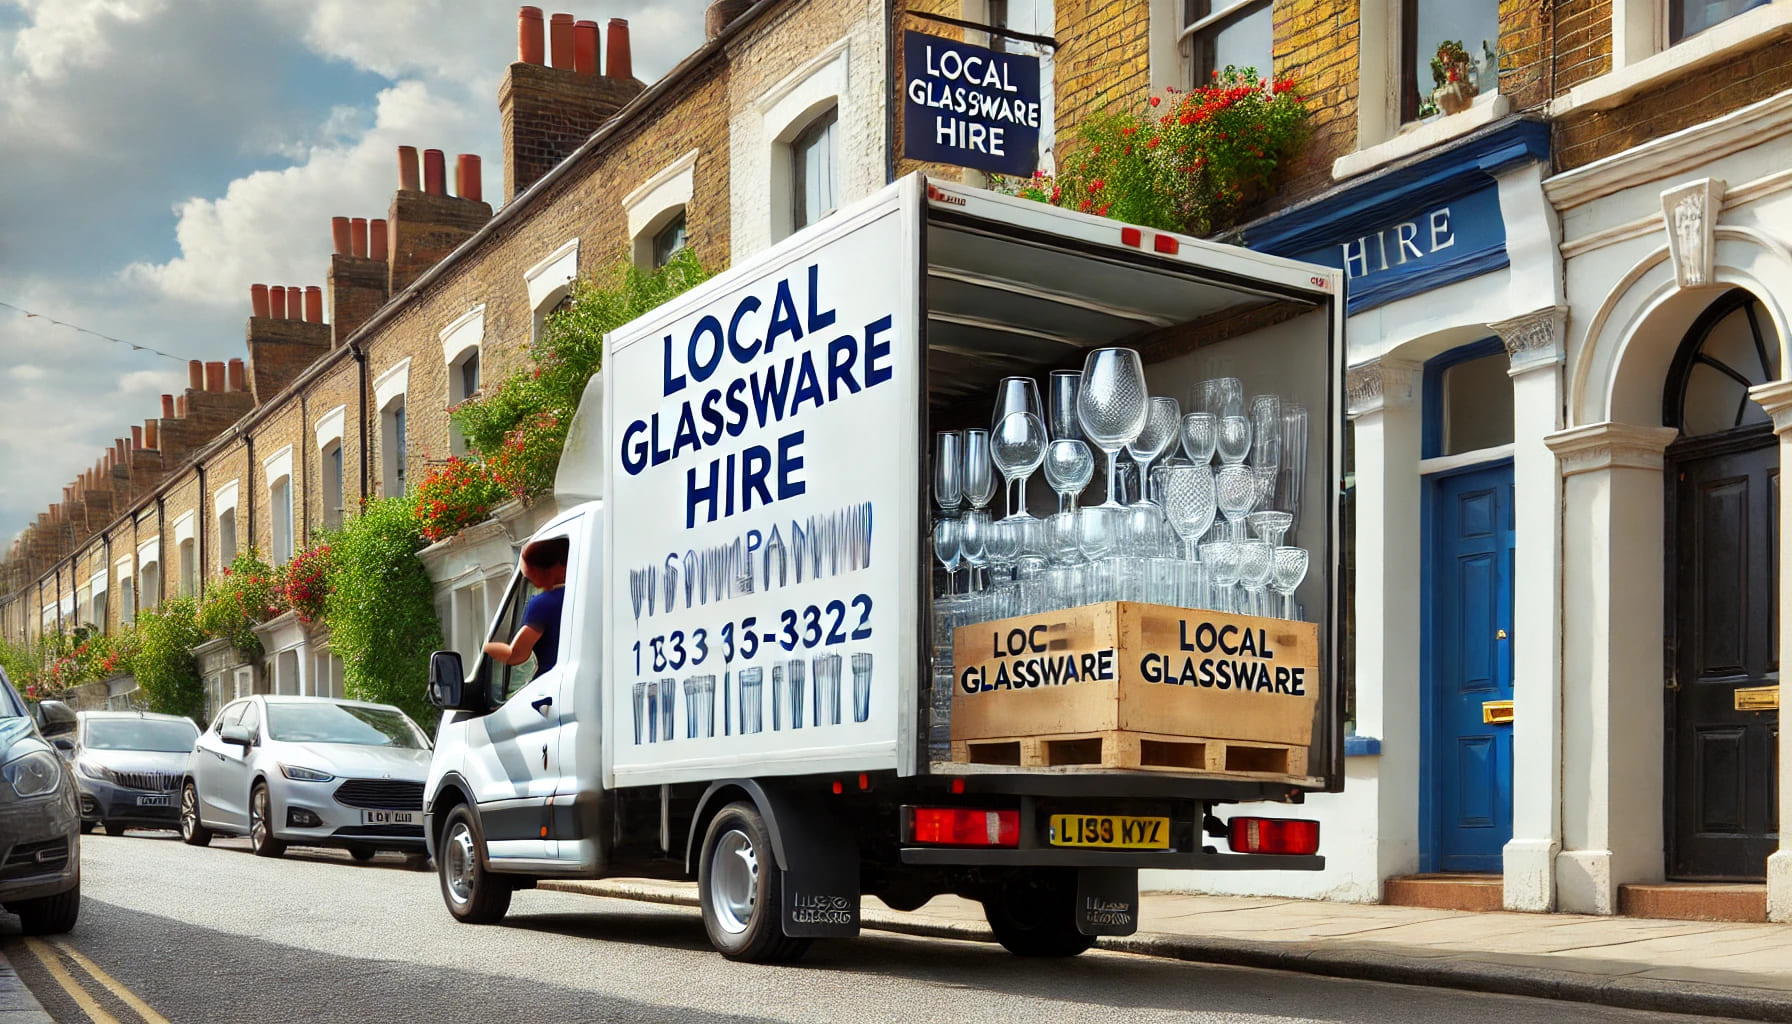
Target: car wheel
pixel 740 888
pixel 192 831
pixel 48 915
pixel 261 824
pixel 473 894
pixel 114 829
pixel 1036 917
pixel 362 853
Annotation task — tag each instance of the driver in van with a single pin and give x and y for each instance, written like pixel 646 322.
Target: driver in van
pixel 544 566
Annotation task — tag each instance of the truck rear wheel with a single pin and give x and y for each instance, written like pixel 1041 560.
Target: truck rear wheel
pixel 740 888
pixel 1036 916
pixel 473 894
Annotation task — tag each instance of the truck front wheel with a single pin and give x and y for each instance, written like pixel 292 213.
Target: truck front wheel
pixel 473 894
pixel 741 890
pixel 1036 916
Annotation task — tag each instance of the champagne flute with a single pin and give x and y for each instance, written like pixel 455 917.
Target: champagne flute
pixel 1065 385
pixel 1018 446
pixel 948 470
pixel 973 541
pixel 979 473
pixel 1069 465
pixel 1112 404
pixel 1162 421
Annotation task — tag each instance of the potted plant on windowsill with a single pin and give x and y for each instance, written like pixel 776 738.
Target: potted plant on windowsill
pixel 1452 71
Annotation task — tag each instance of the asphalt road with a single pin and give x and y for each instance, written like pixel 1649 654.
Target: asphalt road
pixel 173 933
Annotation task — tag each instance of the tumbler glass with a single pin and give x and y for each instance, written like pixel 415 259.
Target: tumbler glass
pixel 793 678
pixel 1266 431
pixel 752 705
pixel 826 671
pixel 1062 413
pixel 640 711
pixel 778 697
pixel 861 687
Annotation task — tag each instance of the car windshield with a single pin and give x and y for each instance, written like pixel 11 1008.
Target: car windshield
pixel 140 734
pixel 343 723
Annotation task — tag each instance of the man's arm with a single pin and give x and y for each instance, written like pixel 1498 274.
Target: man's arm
pixel 516 651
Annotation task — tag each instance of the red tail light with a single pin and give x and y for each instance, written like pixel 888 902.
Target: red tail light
pixel 1274 835
pixel 962 826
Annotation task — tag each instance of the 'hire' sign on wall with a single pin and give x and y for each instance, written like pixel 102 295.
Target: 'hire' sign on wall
pixel 969 106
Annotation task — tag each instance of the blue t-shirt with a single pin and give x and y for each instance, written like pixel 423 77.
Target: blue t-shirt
pixel 543 613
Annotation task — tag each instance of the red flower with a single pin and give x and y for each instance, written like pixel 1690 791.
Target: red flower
pixel 1155 100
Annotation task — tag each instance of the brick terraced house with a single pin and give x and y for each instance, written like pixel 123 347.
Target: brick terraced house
pixel 1569 265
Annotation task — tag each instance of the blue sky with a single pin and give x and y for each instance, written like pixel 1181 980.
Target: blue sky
pixel 159 156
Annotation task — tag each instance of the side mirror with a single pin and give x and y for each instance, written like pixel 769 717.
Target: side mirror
pixel 447 684
pixel 239 735
pixel 55 718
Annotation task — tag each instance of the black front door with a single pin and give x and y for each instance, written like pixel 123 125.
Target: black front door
pixel 1722 763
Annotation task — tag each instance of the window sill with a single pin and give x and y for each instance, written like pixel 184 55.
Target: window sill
pixel 1422 137
pixel 1748 31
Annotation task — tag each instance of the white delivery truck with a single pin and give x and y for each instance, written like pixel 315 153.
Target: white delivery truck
pixel 745 691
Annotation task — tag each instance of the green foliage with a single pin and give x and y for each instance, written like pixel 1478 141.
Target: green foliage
pixel 21 664
pixel 381 608
pixel 1451 64
pixel 167 673
pixel 243 597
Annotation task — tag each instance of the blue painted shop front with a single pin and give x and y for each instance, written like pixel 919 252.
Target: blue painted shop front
pixel 1399 234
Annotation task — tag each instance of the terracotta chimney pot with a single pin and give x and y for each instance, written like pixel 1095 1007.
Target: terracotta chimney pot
pixel 167 407
pixel 376 240
pixel 136 438
pixel 466 177
pixel 435 177
pixel 720 14
pixel 407 168
pixel 339 235
pixel 195 374
pixel 180 407
pixel 314 304
pixel 584 47
pixel 258 300
pixel 560 40
pixel 529 31
pixel 214 376
pixel 277 302
pixel 234 371
pixel 357 235
pixel 617 62
pixel 150 435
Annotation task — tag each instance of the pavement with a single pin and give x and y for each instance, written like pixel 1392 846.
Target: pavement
pixel 17 1004
pixel 1709 969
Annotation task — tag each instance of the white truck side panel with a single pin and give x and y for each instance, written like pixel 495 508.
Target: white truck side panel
pixel 761 442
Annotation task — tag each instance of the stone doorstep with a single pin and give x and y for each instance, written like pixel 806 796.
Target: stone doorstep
pixel 1471 892
pixel 1694 901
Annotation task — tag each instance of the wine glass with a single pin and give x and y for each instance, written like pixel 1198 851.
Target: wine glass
pixel 1065 385
pixel 1235 490
pixel 1016 394
pixel 1018 446
pixel 1294 460
pixel 1289 570
pixel 1188 503
pixel 948 470
pixel 979 473
pixel 1266 431
pixel 1234 439
pixel 946 548
pixel 1112 404
pixel 1255 561
pixel 1069 465
pixel 973 541
pixel 1163 419
pixel 1221 559
pixel 1200 435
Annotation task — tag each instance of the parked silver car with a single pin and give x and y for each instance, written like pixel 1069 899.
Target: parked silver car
pixel 129 765
pixel 40 841
pixel 308 771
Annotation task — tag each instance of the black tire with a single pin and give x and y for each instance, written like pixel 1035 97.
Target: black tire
pixel 741 889
pixel 114 829
pixel 48 915
pixel 261 825
pixel 473 894
pixel 362 853
pixel 192 831
pixel 88 826
pixel 1035 916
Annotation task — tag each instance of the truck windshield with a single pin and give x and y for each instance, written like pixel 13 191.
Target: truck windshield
pixel 343 723
pixel 140 734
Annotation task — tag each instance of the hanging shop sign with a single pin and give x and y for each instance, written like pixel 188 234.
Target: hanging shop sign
pixel 969 106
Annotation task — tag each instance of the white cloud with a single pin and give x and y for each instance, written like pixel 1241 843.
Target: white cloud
pixel 65 35
pixel 27 372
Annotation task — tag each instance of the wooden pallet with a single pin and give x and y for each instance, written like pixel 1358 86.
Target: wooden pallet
pixel 1136 751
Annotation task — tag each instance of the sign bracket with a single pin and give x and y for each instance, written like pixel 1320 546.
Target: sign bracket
pixel 994 30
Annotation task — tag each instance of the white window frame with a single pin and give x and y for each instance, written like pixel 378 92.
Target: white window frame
pixel 224 500
pixel 550 281
pixel 149 553
pixel 329 434
pixel 127 590
pixel 461 340
pixel 278 469
pixel 1641 59
pixel 759 137
pixel 790 107
pixel 391 392
pixel 659 201
pixel 186 554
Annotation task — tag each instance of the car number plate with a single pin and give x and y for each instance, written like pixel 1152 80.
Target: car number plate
pixel 389 817
pixel 155 801
pixel 1110 830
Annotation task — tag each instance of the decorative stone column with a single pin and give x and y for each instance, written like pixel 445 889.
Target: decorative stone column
pixel 1776 398
pixel 1379 398
pixel 1534 345
pixel 1611 661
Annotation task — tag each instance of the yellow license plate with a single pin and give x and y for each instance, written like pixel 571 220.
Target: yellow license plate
pixel 1110 830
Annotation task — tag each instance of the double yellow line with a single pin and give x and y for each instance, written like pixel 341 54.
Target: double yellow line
pixel 50 954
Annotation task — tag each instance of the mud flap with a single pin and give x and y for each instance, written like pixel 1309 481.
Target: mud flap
pixel 1107 901
pixel 821 871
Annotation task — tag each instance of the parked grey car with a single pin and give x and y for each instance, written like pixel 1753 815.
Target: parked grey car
pixel 129 765
pixel 308 771
pixel 40 839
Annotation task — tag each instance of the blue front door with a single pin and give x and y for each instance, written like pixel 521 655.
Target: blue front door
pixel 1468 588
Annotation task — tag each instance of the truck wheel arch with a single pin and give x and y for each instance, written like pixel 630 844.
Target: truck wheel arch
pixel 719 795
pixel 451 793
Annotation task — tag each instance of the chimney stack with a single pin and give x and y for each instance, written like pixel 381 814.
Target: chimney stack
pixel 529 41
pixel 277 302
pixel 584 47
pixel 407 169
pixel 195 374
pixel 376 239
pixel 721 13
pixel 560 41
pixel 466 177
pixel 339 237
pixel 357 278
pixel 258 300
pixel 314 304
pixel 357 235
pixel 234 371
pixel 617 59
pixel 150 434
pixel 214 376
pixel 423 228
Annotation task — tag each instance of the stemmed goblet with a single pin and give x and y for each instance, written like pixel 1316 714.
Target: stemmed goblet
pixel 1018 446
pixel 947 540
pixel 1016 395
pixel 1188 504
pixel 1163 421
pixel 1235 490
pixel 1289 570
pixel 1255 561
pixel 1200 435
pixel 1112 404
pixel 1069 465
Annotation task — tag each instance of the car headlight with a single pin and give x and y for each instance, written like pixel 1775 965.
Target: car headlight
pixel 298 774
pixel 34 774
pixel 93 771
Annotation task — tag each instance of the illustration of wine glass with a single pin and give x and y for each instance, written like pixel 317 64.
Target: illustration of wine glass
pixel 948 470
pixel 825 670
pixel 1112 404
pixel 1221 559
pixel 1064 387
pixel 640 711
pixel 1163 421
pixel 1290 569
pixel 1069 465
pixel 861 687
pixel 752 706
pixel 777 697
pixel 1200 435
pixel 1018 446
pixel 793 677
pixel 1189 504
pixel 1255 561
pixel 668 702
